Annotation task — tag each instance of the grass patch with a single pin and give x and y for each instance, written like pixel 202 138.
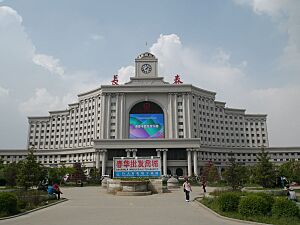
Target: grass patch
pixel 212 204
pixel 263 189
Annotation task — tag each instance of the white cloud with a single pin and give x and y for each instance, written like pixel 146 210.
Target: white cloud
pixel 6 12
pixel 286 14
pixel 124 74
pixel 270 7
pixel 43 101
pixel 96 37
pixel 215 73
pixel 3 91
pixel 49 63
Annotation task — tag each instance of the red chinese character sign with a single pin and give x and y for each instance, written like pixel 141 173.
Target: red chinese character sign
pixel 115 80
pixel 177 80
pixel 137 167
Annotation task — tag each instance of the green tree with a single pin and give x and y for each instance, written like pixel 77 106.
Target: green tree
pixel 1 164
pixel 210 173
pixel 290 170
pixel 57 174
pixel 264 171
pixel 30 172
pixel 10 172
pixel 2 177
pixel 94 176
pixel 235 175
pixel 78 174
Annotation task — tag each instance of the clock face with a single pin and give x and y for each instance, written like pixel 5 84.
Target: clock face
pixel 146 68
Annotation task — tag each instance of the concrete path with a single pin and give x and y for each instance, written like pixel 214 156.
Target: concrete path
pixel 92 206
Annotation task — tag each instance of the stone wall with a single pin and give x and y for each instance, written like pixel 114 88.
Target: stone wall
pixel 155 186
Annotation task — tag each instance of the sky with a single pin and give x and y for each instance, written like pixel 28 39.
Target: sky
pixel 247 51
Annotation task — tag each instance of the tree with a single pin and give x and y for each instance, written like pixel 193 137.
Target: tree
pixel 210 173
pixel 235 175
pixel 290 170
pixel 1 164
pixel 94 176
pixel 30 172
pixel 78 174
pixel 264 171
pixel 2 177
pixel 10 173
pixel 57 174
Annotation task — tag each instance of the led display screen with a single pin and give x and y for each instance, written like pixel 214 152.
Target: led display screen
pixel 146 126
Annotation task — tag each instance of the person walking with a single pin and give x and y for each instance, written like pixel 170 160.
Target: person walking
pixel 187 189
pixel 204 185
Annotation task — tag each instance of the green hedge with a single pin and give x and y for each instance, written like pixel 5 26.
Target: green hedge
pixel 285 208
pixel 269 199
pixel 8 203
pixel 253 205
pixel 228 201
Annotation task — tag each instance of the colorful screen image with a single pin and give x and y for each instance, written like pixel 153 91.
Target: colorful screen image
pixel 146 126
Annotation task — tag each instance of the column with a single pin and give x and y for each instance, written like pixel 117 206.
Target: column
pixel 165 161
pixel 189 161
pixel 107 118
pixel 170 116
pixel 189 122
pixel 121 116
pixel 134 152
pixel 158 151
pixel 124 130
pixel 97 159
pixel 117 120
pixel 184 114
pixel 175 124
pixel 103 116
pixel 127 152
pixel 195 163
pixel 103 161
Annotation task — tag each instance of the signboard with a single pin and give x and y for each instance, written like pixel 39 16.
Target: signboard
pixel 137 167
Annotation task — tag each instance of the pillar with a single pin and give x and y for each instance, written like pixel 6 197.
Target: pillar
pixel 134 152
pixel 103 161
pixel 165 161
pixel 97 159
pixel 195 163
pixel 158 151
pixel 127 152
pixel 107 118
pixel 189 161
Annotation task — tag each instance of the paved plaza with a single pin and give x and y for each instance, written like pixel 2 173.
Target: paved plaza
pixel 93 206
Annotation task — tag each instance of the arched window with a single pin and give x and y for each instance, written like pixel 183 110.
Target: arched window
pixel 146 120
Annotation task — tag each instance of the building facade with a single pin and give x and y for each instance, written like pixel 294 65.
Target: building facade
pixel 147 116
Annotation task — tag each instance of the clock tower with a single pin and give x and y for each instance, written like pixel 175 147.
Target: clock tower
pixel 146 66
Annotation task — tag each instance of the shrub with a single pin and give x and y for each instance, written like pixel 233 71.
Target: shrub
pixel 253 205
pixel 32 198
pixel 8 203
pixel 269 199
pixel 284 208
pixel 228 201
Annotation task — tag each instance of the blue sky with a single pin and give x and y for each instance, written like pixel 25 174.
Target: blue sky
pixel 248 51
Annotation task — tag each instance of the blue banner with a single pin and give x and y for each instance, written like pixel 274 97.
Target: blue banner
pixel 137 174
